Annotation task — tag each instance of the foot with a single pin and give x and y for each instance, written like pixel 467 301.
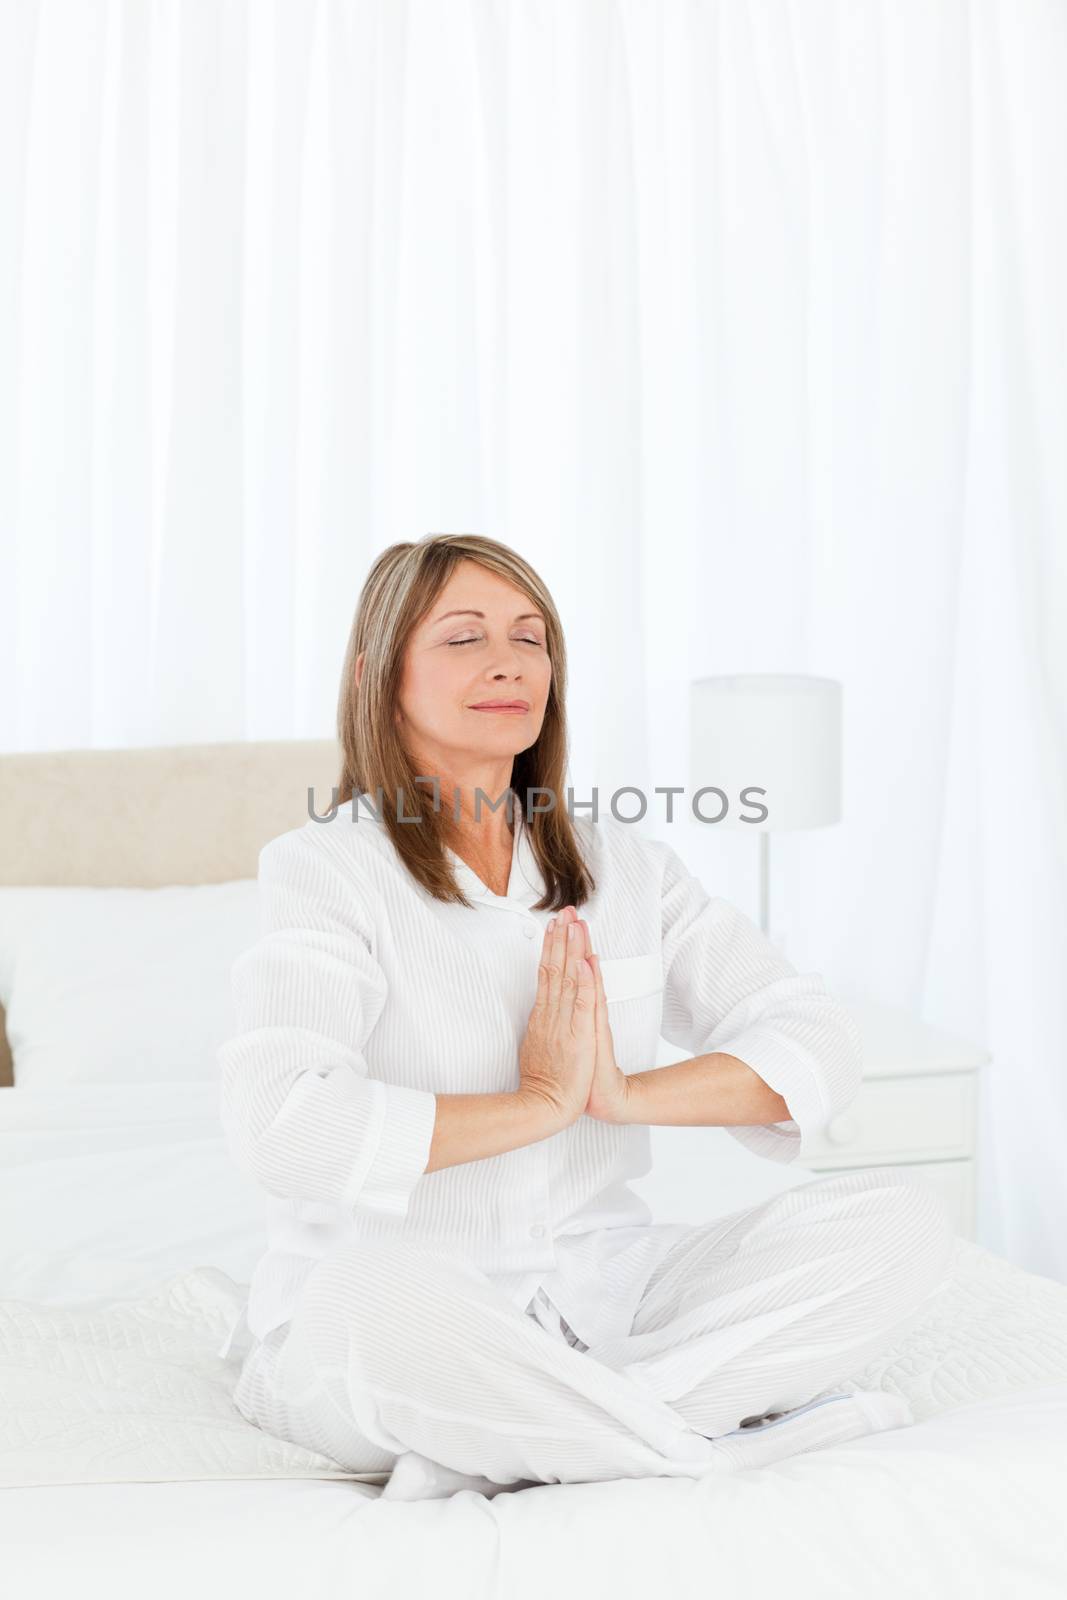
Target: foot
pixel 833 1419
pixel 418 1477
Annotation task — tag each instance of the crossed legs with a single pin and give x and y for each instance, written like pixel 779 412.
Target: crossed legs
pixel 398 1348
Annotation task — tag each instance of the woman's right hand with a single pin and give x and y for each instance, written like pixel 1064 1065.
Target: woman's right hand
pixel 558 1055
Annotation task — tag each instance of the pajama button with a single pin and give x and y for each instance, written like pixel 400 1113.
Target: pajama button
pixel 528 929
pixel 537 1230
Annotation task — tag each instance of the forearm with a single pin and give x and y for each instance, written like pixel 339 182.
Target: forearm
pixel 716 1090
pixel 469 1127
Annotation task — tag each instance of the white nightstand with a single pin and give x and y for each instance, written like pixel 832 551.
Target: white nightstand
pixel 916 1108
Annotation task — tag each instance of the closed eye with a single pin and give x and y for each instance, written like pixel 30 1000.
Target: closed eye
pixel 475 641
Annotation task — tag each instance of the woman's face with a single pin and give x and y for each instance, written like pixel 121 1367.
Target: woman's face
pixel 483 642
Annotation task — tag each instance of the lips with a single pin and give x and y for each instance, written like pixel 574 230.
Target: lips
pixel 513 706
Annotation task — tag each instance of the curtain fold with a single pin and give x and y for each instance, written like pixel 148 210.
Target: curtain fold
pixel 743 320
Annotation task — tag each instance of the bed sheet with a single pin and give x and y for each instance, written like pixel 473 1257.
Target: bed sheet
pixel 128 1472
pixel 125 1469
pixel 136 1391
pixel 963 1506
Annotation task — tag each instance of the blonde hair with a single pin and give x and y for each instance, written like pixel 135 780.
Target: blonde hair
pixel 399 590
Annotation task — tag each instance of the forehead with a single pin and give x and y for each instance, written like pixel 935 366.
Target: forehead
pixel 474 588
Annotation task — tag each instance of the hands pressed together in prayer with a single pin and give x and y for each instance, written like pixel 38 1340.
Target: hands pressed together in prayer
pixel 568 1055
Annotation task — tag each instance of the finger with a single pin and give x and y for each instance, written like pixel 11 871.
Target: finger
pixel 541 997
pixel 578 945
pixel 583 1018
pixel 551 962
pixel 556 936
pixel 578 950
pixel 585 950
pixel 571 957
pixel 601 997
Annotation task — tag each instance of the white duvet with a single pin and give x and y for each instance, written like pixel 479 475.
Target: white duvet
pixel 966 1503
pixel 136 1392
pixel 962 1506
pixel 126 1472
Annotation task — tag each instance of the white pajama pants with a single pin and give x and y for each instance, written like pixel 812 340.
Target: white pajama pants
pixel 396 1348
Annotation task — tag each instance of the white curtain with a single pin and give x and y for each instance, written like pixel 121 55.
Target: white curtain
pixel 744 321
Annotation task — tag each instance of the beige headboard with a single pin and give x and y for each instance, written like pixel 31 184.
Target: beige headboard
pixel 197 813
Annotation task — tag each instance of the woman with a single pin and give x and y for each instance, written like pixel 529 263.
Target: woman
pixel 445 1076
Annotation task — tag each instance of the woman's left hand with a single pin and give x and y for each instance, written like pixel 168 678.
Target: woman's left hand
pixel 609 1091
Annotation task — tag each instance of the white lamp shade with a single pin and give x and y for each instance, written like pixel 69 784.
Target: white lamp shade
pixel 776 732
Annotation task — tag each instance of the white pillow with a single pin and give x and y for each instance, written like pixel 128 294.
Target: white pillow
pixel 121 985
pixel 108 1189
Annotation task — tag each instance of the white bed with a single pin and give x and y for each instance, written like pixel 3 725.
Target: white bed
pixel 129 1237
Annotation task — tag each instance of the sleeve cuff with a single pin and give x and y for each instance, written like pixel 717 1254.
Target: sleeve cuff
pixel 789 1075
pixel 397 1150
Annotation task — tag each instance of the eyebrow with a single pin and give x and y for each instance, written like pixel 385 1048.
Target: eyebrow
pixel 467 612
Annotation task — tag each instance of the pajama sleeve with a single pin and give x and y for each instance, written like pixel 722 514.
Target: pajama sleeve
pixel 301 1114
pixel 726 987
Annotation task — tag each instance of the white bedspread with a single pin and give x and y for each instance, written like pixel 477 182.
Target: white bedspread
pixel 135 1391
pixel 965 1506
pixel 118 1402
pixel 132 1392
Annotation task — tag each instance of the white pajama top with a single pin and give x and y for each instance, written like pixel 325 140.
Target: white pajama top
pixel 365 996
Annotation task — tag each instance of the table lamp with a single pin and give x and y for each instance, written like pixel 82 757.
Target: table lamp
pixel 776 736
